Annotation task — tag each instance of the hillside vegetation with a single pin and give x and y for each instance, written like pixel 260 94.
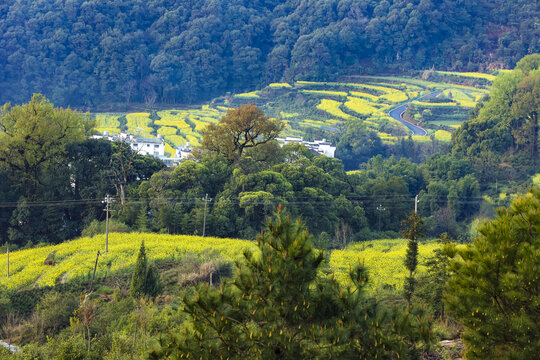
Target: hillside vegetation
pixel 382 258
pixel 74 260
pixel 310 108
pixel 90 54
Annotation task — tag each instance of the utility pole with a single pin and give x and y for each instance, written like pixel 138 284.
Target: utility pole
pixel 206 201
pixel 380 209
pixel 416 204
pixel 107 202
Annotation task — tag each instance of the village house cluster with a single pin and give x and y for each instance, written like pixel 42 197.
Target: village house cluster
pixel 156 146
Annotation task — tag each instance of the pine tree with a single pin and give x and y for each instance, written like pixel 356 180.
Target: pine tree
pixel 279 305
pixel 138 278
pixel 495 288
pixel 414 230
pixel 145 279
pixel 142 222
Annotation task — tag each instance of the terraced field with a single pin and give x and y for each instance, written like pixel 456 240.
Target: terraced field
pixel 305 105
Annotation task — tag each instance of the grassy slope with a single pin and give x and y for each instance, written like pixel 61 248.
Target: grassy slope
pixel 75 259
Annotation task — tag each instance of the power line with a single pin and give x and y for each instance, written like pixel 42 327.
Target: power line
pixel 389 199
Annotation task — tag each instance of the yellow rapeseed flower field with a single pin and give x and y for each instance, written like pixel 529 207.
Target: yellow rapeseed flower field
pixel 75 259
pixel 383 260
pixel 325 92
pixel 332 107
pixel 443 135
pixel 476 75
pixel 360 106
pixel 279 85
pixel 107 122
pixel 139 124
pixel 248 95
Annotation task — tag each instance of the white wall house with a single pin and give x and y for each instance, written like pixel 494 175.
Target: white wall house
pixel 145 146
pixel 321 147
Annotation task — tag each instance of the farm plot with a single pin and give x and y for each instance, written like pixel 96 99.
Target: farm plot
pixel 384 260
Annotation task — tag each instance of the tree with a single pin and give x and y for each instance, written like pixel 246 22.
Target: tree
pixel 142 222
pixel 279 306
pixel 34 136
pixel 526 107
pixel 494 290
pixel 145 279
pixel 241 128
pixel 128 166
pixel 358 145
pixel 414 230
pixel 431 284
pixel 121 164
pixel 138 278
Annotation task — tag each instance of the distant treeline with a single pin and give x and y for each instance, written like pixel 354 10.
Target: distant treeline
pixel 95 54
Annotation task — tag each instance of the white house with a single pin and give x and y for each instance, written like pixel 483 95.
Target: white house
pixel 146 146
pixel 143 146
pixel 321 147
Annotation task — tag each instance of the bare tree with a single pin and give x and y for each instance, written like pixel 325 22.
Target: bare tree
pixel 121 163
pixel 343 235
pixel 129 89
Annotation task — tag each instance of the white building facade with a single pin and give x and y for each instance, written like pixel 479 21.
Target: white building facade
pixel 321 147
pixel 143 146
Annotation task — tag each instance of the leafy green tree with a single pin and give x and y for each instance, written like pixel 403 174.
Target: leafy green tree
pixel 529 63
pixel 152 283
pixel 241 128
pixel 358 145
pixel 526 107
pixel 34 137
pixel 414 230
pixel 279 306
pixel 494 290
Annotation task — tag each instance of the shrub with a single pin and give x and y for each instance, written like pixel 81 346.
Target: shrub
pixel 54 310
pixel 97 227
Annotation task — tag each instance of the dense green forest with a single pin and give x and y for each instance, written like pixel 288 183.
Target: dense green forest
pixel 49 171
pixel 280 270
pixel 95 54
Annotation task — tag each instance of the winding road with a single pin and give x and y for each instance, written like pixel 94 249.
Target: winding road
pixel 397 113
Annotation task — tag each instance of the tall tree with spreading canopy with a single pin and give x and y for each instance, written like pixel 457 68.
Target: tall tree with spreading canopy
pixel 241 128
pixel 34 136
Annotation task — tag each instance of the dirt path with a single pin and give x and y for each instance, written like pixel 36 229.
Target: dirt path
pixel 35 282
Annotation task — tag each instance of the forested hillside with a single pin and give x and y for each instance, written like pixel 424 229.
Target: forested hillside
pixel 95 54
